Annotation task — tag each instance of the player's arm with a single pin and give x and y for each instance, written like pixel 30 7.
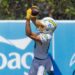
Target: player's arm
pixel 39 38
pixel 29 33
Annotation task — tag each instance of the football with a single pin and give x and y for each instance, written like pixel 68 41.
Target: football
pixel 35 12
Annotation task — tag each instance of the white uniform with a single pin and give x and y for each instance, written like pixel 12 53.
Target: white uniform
pixel 41 50
pixel 41 56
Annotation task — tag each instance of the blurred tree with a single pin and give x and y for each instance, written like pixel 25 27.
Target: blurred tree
pixel 16 9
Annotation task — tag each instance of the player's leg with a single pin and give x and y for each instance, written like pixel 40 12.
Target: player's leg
pixel 41 70
pixel 34 68
pixel 49 67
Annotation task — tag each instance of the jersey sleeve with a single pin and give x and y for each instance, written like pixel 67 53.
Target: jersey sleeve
pixel 45 37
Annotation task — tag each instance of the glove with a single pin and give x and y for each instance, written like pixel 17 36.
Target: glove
pixel 28 13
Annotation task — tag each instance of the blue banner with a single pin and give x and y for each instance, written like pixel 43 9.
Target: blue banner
pixel 16 49
pixel 64 47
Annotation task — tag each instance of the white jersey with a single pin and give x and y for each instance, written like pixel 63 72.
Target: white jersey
pixel 41 50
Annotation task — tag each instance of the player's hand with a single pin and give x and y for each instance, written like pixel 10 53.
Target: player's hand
pixel 28 14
